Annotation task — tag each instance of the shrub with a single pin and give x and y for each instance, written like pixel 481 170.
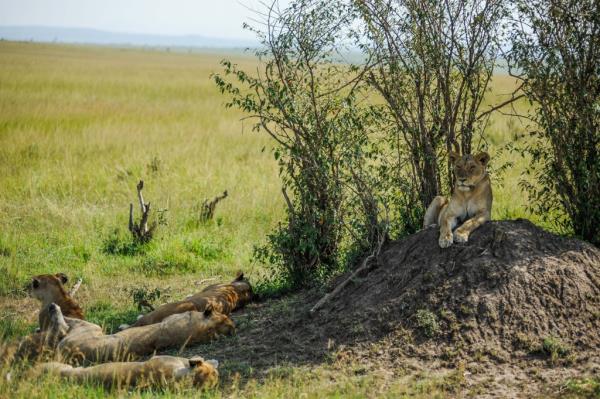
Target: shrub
pixel 427 321
pixel 118 243
pixel 557 59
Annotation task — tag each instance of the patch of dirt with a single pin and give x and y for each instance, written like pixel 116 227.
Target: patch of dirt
pixel 514 298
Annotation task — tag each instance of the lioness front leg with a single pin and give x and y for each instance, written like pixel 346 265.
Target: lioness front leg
pixel 463 232
pixel 448 223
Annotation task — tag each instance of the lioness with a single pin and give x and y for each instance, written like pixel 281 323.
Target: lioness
pixel 49 288
pixel 158 371
pixel 78 339
pixel 471 202
pixel 224 298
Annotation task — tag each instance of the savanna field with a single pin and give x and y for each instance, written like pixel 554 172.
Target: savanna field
pixel 80 126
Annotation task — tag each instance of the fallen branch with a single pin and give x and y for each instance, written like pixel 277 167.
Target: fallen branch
pixel 206 280
pixel 208 208
pixel 364 266
pixel 75 287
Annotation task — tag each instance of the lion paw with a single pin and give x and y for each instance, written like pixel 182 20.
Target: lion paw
pixel 445 241
pixel 461 236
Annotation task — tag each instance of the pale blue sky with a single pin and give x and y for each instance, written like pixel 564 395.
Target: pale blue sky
pixel 219 18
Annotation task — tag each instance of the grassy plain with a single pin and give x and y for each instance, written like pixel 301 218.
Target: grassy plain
pixel 79 126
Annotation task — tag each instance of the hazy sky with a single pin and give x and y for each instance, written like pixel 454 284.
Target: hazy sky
pixel 218 18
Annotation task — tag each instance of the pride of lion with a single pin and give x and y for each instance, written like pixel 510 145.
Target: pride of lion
pixel 116 359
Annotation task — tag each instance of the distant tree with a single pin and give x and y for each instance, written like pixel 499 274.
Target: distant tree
pixel 556 54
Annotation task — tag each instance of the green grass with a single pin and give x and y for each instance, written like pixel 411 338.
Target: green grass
pixel 79 126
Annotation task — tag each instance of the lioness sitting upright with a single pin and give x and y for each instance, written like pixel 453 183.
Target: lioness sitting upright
pixel 49 288
pixel 470 204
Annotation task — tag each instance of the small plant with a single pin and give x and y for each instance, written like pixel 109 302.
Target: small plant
pixel 117 243
pixel 207 211
pixel 427 321
pixel 144 297
pixel 554 348
pixel 155 165
pixel 583 387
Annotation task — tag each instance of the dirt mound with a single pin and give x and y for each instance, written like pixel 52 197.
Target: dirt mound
pixel 512 286
pixel 497 297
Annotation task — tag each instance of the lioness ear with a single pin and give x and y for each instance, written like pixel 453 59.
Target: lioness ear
pixel 483 158
pixel 35 283
pixel 62 277
pixel 213 362
pixel 208 311
pixel 196 361
pixel 453 156
pixel 239 276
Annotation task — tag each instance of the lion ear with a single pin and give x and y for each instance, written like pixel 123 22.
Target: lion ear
pixel 453 156
pixel 62 277
pixel 239 276
pixel 196 361
pixel 483 158
pixel 213 362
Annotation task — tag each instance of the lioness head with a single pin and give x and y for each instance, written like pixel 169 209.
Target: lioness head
pixel 223 324
pixel 205 372
pixel 242 287
pixel 469 169
pixel 48 288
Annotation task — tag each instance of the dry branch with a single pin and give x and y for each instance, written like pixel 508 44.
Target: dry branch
pixel 208 208
pixel 75 287
pixel 365 265
pixel 141 232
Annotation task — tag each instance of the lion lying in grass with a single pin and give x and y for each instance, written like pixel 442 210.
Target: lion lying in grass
pixel 81 340
pixel 470 204
pixel 159 371
pixel 224 298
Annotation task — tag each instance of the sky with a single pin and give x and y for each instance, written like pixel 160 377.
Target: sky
pixel 216 18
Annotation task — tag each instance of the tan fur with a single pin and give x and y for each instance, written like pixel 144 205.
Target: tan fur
pixel 224 298
pixel 36 345
pixel 85 340
pixel 470 204
pixel 48 288
pixel 158 371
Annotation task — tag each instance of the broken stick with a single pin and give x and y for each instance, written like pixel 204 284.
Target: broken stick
pixel 208 208
pixel 75 287
pixel 364 266
pixel 141 231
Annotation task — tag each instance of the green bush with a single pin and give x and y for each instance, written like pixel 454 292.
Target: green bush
pixel 119 243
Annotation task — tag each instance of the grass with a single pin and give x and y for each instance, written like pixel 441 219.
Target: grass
pixel 79 126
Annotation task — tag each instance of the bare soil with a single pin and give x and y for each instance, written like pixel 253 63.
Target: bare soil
pixel 516 307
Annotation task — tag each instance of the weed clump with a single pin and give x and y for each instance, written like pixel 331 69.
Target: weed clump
pixel 427 321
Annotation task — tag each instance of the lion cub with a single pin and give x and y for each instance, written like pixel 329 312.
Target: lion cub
pixel 470 204
pixel 48 288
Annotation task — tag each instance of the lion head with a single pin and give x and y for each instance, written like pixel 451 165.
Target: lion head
pixel 469 169
pixel 48 287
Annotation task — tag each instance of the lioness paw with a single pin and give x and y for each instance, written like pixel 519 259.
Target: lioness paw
pixel 445 240
pixel 461 236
